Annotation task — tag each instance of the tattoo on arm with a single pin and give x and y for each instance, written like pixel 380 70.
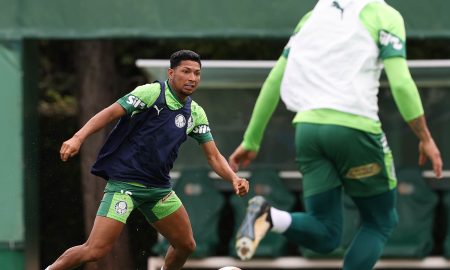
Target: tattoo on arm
pixel 419 127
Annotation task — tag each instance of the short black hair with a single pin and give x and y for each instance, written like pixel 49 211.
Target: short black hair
pixel 182 55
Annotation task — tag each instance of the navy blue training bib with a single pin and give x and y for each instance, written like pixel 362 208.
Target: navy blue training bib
pixel 142 148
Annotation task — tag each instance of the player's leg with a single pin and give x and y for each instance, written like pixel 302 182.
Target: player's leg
pixel 256 224
pixel 176 228
pixel 378 220
pixel 112 214
pixel 319 228
pixel 369 178
pixel 102 237
pixel 164 210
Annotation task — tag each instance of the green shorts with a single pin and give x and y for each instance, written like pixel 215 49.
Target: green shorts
pixel 121 198
pixel 329 156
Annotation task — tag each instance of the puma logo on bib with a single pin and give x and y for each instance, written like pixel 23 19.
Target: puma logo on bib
pixel 157 109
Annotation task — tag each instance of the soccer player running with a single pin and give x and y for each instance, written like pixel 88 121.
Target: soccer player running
pixel 329 75
pixel 137 157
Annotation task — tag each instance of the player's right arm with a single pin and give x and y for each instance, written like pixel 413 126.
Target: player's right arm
pixel 265 106
pixel 135 101
pixel 72 146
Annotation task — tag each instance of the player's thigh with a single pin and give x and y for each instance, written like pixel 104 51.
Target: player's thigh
pixel 176 228
pixel 104 233
pixel 158 203
pixel 112 214
pixel 318 171
pixel 379 211
pixel 168 216
pixel 364 161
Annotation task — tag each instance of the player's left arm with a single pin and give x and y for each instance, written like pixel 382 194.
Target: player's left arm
pixel 408 101
pixel 386 26
pixel 200 131
pixel 406 95
pixel 220 165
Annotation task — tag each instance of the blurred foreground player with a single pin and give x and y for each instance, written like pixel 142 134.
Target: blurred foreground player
pixel 329 75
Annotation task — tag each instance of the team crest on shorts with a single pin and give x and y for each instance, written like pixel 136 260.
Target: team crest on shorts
pixel 180 121
pixel 121 207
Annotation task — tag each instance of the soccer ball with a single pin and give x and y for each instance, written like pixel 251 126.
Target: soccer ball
pixel 230 268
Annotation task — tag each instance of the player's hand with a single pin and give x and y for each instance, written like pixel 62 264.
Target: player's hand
pixel 429 150
pixel 70 148
pixel 240 186
pixel 240 157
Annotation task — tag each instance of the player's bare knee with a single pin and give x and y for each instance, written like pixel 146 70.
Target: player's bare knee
pixel 188 246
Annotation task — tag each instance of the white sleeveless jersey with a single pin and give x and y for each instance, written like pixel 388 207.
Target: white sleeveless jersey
pixel 333 62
